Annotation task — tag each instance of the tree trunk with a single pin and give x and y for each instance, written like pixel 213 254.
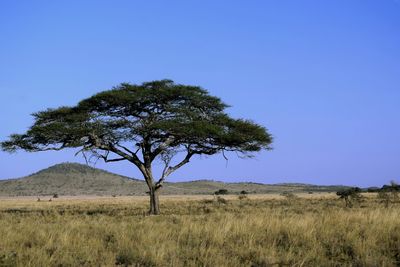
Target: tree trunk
pixel 154 202
pixel 153 191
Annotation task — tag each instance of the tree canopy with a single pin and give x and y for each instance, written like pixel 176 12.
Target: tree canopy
pixel 141 123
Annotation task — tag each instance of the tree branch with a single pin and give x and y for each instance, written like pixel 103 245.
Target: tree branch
pixel 98 143
pixel 132 158
pixel 105 158
pixel 126 149
pixel 162 146
pixel 168 170
pixel 37 149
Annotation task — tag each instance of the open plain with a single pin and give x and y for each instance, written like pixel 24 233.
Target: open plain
pixel 253 230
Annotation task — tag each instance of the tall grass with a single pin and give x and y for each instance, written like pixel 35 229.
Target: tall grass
pixel 203 232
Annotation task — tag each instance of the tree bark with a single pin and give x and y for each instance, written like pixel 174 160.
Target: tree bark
pixel 153 190
pixel 154 202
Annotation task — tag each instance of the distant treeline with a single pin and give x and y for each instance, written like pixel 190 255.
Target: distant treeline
pixel 386 188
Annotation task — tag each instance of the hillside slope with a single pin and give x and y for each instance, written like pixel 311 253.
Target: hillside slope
pixel 77 179
pixel 71 179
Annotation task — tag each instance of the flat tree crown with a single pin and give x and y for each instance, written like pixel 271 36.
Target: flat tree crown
pixel 157 116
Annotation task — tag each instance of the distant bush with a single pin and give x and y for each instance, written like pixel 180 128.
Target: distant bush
pixel 207 201
pixel 373 189
pixel 243 197
pixel 55 195
pixel 289 195
pixel 389 194
pixel 350 195
pixel 221 192
pixel 243 192
pixel 222 200
pixel 393 187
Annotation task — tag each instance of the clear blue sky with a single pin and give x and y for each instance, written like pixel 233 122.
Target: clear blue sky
pixel 322 76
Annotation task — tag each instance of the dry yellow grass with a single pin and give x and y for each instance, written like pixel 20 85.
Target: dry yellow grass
pixel 264 230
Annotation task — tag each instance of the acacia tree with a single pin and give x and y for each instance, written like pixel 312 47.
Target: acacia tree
pixel 157 120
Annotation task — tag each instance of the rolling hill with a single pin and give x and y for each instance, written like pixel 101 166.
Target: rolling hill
pixel 75 179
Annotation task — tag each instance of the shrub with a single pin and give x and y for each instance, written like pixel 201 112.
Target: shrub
pixel 350 195
pixel 242 197
pixel 221 192
pixel 124 258
pixel 207 201
pixel 389 194
pixel 373 189
pixel 290 197
pixel 384 197
pixel 9 259
pixel 222 200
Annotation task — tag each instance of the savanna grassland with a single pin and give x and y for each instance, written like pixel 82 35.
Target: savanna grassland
pixel 258 230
